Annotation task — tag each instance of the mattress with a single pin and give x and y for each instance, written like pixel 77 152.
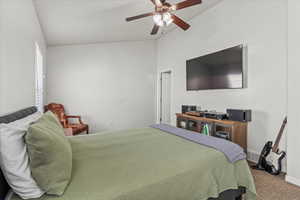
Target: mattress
pixel 149 164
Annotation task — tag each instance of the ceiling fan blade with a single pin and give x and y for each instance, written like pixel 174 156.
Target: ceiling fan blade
pixel 179 22
pixel 157 3
pixel 155 29
pixel 139 16
pixel 187 3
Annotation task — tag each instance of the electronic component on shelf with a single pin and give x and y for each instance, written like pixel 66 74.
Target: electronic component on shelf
pixel 223 135
pixel 188 108
pixel 239 115
pixel 208 114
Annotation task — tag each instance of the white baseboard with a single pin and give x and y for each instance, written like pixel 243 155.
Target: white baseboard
pixel 292 180
pixel 252 156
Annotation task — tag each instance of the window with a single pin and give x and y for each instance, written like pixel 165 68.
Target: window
pixel 39 78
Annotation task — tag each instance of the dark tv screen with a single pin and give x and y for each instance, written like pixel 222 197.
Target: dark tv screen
pixel 220 70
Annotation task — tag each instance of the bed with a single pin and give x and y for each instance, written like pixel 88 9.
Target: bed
pixel 147 164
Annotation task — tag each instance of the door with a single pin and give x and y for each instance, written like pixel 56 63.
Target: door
pixel 165 101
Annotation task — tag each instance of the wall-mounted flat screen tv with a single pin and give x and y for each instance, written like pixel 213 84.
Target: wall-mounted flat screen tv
pixel 219 70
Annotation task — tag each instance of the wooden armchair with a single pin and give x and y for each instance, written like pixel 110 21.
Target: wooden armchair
pixel 59 110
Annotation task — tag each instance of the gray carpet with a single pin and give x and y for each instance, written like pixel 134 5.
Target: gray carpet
pixel 274 187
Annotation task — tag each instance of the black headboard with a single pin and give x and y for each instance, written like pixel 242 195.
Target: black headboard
pixel 4 188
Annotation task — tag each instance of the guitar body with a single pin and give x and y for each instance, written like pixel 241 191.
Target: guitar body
pixel 270 161
pixel 274 162
pixel 262 162
pixel 270 158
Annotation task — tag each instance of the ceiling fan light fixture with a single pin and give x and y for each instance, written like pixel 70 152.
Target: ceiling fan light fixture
pixel 158 19
pixel 164 19
pixel 167 18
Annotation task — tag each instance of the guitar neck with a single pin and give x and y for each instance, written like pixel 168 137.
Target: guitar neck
pixel 276 144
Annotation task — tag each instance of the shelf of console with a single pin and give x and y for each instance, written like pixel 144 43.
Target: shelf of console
pixel 237 131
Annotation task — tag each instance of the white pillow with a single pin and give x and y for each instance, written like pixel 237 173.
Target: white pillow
pixel 14 160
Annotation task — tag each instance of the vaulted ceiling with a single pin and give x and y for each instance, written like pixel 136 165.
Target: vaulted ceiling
pixel 90 21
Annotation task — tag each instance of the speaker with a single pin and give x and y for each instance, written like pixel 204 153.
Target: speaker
pixel 239 115
pixel 187 108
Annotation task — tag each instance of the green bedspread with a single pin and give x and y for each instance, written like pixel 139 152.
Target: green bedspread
pixel 148 164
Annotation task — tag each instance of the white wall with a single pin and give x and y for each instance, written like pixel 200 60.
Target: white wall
pixel 293 150
pixel 20 30
pixel 259 24
pixel 112 85
pixel 1 54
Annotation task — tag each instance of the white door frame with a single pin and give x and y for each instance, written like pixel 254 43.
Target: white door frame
pixel 159 93
pixel 39 77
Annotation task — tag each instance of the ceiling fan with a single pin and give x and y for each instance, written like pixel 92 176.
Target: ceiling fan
pixel 163 15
